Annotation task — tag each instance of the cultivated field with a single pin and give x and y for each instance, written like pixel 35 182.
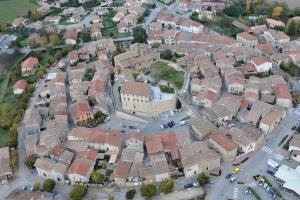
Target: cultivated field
pixel 9 9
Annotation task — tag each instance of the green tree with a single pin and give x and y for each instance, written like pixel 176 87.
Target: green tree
pixel 167 54
pixel 139 35
pixel 110 197
pixel 13 135
pixel 36 186
pixel 130 194
pixel 202 179
pixel 48 185
pixel 234 11
pixel 148 190
pixel 78 192
pixel 96 177
pixel 85 36
pixel 54 39
pixel 166 186
pixel 30 160
pixel 291 27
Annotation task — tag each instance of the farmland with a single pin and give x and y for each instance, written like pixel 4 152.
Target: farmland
pixel 9 9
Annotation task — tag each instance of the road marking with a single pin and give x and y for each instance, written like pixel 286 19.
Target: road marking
pixel 252 184
pixel 235 193
pixel 266 149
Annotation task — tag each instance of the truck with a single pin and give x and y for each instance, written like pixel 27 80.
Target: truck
pixel 273 163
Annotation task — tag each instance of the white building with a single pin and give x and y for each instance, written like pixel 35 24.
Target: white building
pixel 261 63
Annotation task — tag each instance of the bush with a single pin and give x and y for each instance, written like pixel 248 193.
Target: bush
pixel 202 179
pixel 14 159
pixel 148 190
pixel 130 194
pixel 166 186
pixel 96 177
pixel 36 186
pixel 30 160
pixel 48 185
pixel 78 192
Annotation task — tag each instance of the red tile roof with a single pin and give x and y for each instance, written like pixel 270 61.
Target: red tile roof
pixel 30 63
pixel 222 141
pixel 80 108
pixel 259 60
pixel 21 84
pixel 136 88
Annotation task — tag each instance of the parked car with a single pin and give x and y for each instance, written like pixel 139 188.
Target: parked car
pixel 228 176
pixel 232 179
pixel 236 170
pixel 171 124
pixel 189 185
pixel 270 172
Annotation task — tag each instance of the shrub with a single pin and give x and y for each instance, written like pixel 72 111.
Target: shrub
pixel 148 190
pixel 130 194
pixel 48 185
pixel 166 186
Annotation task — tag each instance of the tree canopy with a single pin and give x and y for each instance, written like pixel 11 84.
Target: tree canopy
pixel 148 190
pixel 139 35
pixel 166 186
pixel 78 192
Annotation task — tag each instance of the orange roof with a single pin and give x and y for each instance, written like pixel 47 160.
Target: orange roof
pixel 88 154
pixel 80 167
pixel 282 91
pixel 30 62
pixel 136 88
pixel 247 36
pixel 259 60
pixel 57 151
pixel 21 84
pixel 80 108
pixel 71 34
pixel 135 136
pixel 73 55
pixel 114 138
pixel 153 143
pixel 222 141
pixel 122 170
pixel 267 48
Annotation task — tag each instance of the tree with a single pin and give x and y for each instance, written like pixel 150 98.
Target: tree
pixel 248 7
pixel 78 192
pixel 35 15
pixel 85 36
pixel 14 158
pixel 167 54
pixel 43 41
pixel 233 11
pixel 166 186
pixel 110 197
pixel 277 11
pixel 291 27
pixel 130 194
pixel 96 177
pixel 54 39
pixel 36 186
pixel 30 160
pixel 258 2
pixel 202 179
pixel 48 185
pixel 13 135
pixel 148 190
pixel 139 35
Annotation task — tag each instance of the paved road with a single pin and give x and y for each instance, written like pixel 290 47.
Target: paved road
pixel 256 163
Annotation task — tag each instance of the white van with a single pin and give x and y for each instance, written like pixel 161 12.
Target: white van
pixel 273 163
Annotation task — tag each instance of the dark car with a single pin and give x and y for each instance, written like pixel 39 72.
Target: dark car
pixel 228 176
pixel 171 124
pixel 166 126
pixel 189 185
pixel 270 172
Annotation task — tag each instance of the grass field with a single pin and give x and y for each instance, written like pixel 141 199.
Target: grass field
pixel 162 71
pixel 9 9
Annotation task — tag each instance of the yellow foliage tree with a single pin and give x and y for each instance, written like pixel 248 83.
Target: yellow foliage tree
pixel 277 11
pixel 53 39
pixel 43 41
